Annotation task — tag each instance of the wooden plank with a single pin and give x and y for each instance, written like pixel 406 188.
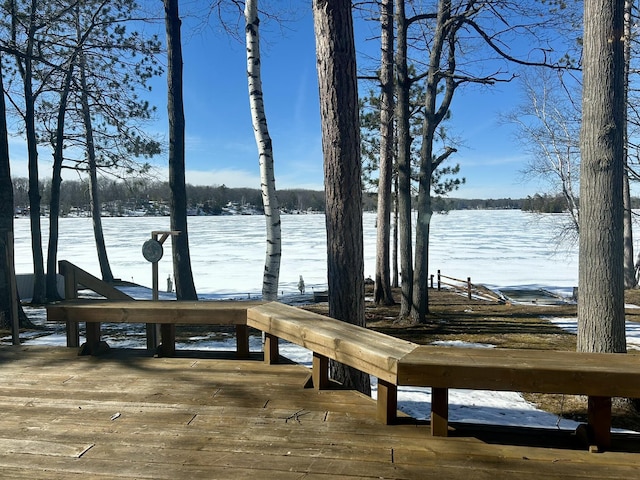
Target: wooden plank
pixel 387 402
pixel 320 371
pixel 271 350
pixel 366 350
pixel 599 417
pixel 439 412
pixel 149 311
pixel 84 278
pixel 202 418
pixel 598 374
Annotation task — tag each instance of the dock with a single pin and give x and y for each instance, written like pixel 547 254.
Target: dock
pixel 208 415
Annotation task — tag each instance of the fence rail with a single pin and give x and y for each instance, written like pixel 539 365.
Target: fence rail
pixel 464 286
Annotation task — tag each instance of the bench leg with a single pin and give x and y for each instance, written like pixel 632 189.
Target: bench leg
pixel 439 412
pixel 73 334
pixel 167 340
pixel 320 371
pixel 271 352
pixel 242 341
pixel 599 410
pixel 153 336
pixel 387 403
pixel 93 345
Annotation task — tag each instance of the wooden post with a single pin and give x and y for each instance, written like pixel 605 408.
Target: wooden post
pixel 431 279
pixel 387 403
pixel 469 287
pixel 320 371
pixel 242 341
pixel 439 280
pixel 167 337
pixel 439 412
pixel 599 417
pixel 13 290
pixel 271 352
pixel 153 334
pixel 70 293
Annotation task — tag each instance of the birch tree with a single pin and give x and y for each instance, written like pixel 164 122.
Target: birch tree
pixel 337 81
pixel 265 152
pixel 601 322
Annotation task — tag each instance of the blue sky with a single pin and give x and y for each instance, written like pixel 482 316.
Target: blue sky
pixel 220 143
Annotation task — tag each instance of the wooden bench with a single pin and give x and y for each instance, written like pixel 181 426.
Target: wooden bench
pixel 371 352
pixel 167 314
pixel 599 376
pixel 400 363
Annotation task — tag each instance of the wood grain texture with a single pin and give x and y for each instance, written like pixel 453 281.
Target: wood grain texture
pixel 213 417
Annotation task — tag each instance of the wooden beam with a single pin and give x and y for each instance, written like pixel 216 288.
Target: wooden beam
pixel 242 341
pixel 439 412
pixel 271 351
pixel 387 402
pixel 599 417
pixel 320 371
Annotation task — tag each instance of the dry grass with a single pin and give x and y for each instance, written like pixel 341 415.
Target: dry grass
pixel 453 317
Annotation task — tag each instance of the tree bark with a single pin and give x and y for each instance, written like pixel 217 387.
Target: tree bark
pixel 25 66
pixel 630 280
pixel 337 81
pixel 601 325
pixel 183 275
pixel 403 86
pixel 56 181
pixel 265 151
pixel 94 195
pixel 433 116
pixel 10 307
pixel 382 288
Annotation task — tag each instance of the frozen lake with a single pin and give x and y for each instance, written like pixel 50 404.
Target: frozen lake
pixel 493 247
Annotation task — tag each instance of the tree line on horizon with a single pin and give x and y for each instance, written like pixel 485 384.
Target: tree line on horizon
pixel 152 195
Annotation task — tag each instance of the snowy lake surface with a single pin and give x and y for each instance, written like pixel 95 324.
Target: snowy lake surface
pixel 493 247
pixel 497 248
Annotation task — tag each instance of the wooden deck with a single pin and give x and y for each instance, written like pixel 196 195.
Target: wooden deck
pixel 128 415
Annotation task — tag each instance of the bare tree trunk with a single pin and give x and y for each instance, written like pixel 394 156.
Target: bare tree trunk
pixel 56 181
pixel 394 255
pixel 601 325
pixel 9 304
pixel 265 152
pixel 630 280
pixel 382 289
pixel 185 288
pixel 335 53
pixel 25 66
pixel 96 214
pixel 403 86
pixel 433 115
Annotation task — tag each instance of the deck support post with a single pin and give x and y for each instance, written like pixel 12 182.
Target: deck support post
pixel 439 412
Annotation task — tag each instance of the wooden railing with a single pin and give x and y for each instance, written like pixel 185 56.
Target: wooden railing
pixel 74 279
pixel 464 286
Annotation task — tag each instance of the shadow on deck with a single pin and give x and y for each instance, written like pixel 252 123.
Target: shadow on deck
pixel 205 415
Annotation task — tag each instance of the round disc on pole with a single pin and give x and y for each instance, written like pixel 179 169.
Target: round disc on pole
pixel 152 250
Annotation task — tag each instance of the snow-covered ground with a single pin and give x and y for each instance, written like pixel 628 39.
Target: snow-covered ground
pixel 495 248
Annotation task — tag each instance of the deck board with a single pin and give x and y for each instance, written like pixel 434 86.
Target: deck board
pixel 127 415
